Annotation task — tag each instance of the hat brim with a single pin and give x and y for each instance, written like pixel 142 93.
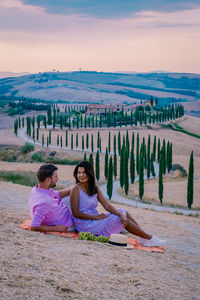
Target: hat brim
pixel 120 247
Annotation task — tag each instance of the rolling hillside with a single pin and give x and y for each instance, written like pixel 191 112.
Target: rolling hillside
pixel 95 87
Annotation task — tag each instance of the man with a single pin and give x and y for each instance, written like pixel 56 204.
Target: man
pixel 47 211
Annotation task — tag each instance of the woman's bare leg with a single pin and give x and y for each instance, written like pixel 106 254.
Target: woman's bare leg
pixel 136 230
pixel 131 218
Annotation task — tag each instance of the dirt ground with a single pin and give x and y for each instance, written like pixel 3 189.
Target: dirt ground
pixel 40 266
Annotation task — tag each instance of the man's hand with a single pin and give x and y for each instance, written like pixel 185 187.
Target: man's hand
pixel 101 216
pixel 61 228
pixel 123 220
pixel 65 192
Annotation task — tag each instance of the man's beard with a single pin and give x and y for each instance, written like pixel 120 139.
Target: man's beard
pixel 52 185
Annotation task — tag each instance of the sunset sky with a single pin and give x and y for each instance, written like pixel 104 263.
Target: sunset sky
pixel 101 35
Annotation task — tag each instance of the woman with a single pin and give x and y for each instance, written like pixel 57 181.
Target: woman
pixel 84 200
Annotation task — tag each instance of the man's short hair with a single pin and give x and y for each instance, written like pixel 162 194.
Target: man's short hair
pixel 46 171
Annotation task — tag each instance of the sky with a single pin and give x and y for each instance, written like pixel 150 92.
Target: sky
pixel 100 35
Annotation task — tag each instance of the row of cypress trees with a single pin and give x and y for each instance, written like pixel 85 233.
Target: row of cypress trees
pixel 70 119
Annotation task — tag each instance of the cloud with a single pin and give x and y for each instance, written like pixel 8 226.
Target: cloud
pixel 112 8
pixel 32 39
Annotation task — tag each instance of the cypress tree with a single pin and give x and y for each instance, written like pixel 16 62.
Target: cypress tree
pixel 190 182
pixel 49 118
pixel 77 140
pixel 119 143
pixel 38 119
pixel 170 157
pixel 45 121
pixel 158 151
pixel 77 122
pixel 141 173
pixel 154 148
pixel 164 157
pixel 61 144
pixel 92 144
pixel 33 123
pixel 152 166
pixel 93 120
pixel 72 142
pixel 127 143
pixel 98 140
pixel 106 164
pixel 132 166
pixel 49 137
pixel 83 146
pixel 100 145
pixel 124 142
pixel 38 130
pixel 97 166
pixel 85 156
pixel 148 157
pixel 34 135
pixel 114 144
pixel 109 142
pixel 47 141
pixel 16 126
pixel 110 179
pixel 96 123
pixel 81 120
pixel 87 140
pixel 57 139
pixel 126 177
pixel 66 138
pixel 54 117
pixel 122 167
pixel 133 141
pixel 115 164
pixel 160 179
pixel 43 140
pixel 137 154
pixel 91 160
pixel 144 153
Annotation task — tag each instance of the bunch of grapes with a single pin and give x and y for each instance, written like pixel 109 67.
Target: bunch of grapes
pixel 89 236
pixel 102 239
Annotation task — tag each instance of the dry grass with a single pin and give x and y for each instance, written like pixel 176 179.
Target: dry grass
pixel 40 266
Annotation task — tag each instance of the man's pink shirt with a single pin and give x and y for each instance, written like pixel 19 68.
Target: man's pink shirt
pixel 46 208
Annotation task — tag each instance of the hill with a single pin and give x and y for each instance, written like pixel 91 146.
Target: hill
pixel 100 87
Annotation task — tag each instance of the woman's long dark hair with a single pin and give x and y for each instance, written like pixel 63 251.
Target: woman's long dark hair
pixel 92 188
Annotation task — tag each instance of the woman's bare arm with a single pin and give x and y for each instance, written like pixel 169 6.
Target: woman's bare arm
pixel 109 207
pixel 74 200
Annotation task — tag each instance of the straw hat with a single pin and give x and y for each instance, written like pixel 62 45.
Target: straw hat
pixel 119 240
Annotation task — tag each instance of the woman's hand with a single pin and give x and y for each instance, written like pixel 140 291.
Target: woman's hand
pixel 101 216
pixel 123 220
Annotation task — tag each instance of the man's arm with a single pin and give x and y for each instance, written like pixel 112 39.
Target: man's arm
pixel 64 193
pixel 45 228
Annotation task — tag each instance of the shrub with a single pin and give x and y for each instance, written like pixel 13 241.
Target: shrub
pixel 62 161
pixel 20 177
pixel 28 147
pixel 180 168
pixel 37 157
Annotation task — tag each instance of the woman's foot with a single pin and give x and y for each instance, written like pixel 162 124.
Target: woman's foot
pixel 154 241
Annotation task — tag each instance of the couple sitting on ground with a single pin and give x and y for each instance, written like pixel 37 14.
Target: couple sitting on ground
pixel 49 213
